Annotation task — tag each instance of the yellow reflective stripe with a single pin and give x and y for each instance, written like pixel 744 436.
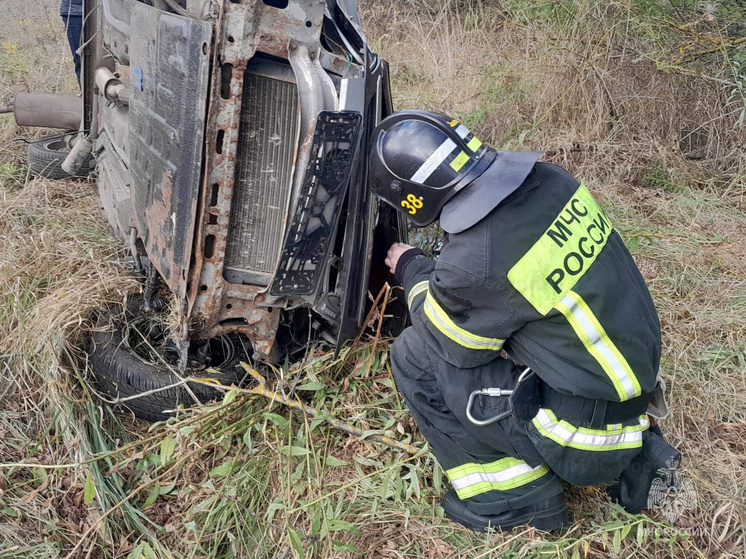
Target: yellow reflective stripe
pixel 563 253
pixel 598 344
pixel 448 328
pixel 418 288
pixel 504 474
pixel 614 437
pixel 460 161
pixel 626 375
pixel 474 144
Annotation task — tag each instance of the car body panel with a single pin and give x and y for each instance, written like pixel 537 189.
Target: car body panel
pixel 209 160
pixel 166 131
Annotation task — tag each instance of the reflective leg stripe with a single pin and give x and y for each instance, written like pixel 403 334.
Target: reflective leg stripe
pixel 418 288
pixel 504 474
pixel 565 434
pixel 448 328
pixel 434 161
pixel 598 344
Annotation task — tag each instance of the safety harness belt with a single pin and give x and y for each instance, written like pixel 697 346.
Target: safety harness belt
pixel 586 410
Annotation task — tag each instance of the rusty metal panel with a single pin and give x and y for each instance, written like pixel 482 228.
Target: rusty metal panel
pixel 170 68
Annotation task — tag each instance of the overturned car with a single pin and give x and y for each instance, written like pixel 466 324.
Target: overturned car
pixel 228 141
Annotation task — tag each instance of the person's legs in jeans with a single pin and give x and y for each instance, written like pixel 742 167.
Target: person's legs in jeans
pixel 74 27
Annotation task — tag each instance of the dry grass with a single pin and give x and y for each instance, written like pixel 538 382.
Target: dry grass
pixel 584 81
pixel 598 84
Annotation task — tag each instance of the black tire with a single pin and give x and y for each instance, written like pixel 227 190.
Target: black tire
pixel 45 157
pixel 120 371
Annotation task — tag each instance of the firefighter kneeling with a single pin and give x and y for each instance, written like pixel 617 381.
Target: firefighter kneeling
pixel 532 267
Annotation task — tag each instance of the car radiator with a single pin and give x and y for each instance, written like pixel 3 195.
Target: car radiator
pixel 267 143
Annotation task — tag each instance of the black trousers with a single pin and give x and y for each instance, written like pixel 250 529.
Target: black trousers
pixel 501 466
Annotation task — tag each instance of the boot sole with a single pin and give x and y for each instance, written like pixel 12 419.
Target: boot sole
pixel 553 518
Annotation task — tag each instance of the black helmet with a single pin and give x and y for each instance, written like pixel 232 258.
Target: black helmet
pixel 420 160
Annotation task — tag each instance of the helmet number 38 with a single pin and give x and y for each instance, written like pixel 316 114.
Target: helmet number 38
pixel 412 204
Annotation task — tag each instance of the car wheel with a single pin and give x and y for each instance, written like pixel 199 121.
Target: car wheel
pixel 131 354
pixel 45 157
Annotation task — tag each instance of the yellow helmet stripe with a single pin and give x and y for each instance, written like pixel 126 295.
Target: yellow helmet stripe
pixel 474 144
pixel 460 161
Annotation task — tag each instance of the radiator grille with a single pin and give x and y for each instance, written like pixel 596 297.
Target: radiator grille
pixel 266 151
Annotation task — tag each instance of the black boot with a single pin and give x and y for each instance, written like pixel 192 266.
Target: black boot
pixel 547 515
pixel 650 472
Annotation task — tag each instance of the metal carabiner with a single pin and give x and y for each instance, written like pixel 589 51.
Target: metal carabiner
pixel 493 393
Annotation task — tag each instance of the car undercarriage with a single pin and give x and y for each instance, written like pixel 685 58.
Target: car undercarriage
pixel 228 142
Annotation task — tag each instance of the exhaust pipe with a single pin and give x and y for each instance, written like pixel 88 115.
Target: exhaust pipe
pixel 47 110
pixel 111 87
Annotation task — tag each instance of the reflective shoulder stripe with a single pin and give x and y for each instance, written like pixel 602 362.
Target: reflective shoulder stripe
pixel 418 288
pixel 567 435
pixel 507 473
pixel 448 328
pixel 598 344
pixel 434 161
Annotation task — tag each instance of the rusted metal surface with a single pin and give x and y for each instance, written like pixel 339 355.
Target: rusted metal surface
pixel 170 68
pixel 293 35
pixel 168 161
pixel 48 110
pixel 215 304
pixel 255 26
pixel 111 87
pixel 260 324
pixel 268 139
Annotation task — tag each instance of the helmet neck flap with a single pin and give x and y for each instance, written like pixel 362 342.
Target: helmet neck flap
pixel 505 174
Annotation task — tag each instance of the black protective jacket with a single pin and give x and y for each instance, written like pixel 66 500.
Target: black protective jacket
pixel 545 278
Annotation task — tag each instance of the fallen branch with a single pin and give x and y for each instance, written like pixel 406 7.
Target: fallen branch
pixel 262 390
